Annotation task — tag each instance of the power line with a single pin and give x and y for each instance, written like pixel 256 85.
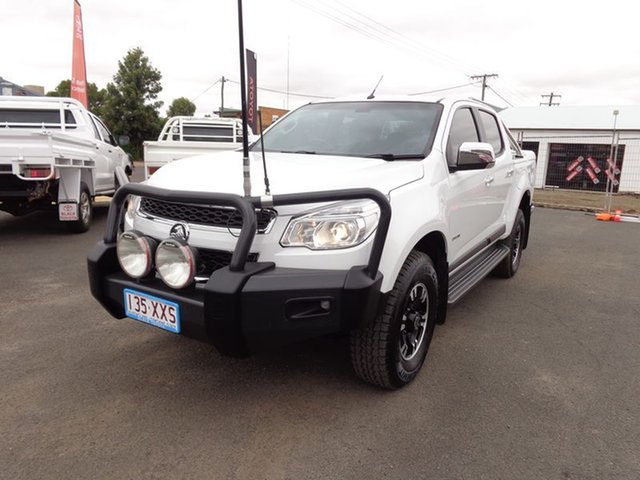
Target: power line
pixel 375 33
pixel 443 57
pixel 514 92
pixel 444 89
pixel 205 90
pixel 500 96
pixel 273 90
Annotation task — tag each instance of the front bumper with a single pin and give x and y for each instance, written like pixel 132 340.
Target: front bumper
pixel 261 307
pixel 248 306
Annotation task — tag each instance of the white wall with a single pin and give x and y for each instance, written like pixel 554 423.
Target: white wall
pixel 630 172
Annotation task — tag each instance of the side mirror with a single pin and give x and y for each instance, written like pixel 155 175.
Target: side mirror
pixel 475 156
pixel 123 140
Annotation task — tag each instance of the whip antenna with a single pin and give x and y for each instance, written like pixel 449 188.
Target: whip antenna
pixel 267 191
pixel 372 94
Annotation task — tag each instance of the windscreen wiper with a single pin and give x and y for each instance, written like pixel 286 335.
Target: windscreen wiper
pixel 307 152
pixel 393 156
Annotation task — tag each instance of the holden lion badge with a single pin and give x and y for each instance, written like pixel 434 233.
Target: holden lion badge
pixel 180 231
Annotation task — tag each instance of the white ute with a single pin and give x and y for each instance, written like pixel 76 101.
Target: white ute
pixel 54 151
pixel 188 136
pixel 381 213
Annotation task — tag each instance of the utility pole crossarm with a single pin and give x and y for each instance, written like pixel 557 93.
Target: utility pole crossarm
pixel 551 96
pixel 484 77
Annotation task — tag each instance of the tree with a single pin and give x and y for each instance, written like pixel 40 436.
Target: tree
pixel 181 106
pixel 131 106
pixel 97 96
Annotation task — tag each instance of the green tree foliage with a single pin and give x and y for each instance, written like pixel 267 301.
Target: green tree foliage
pixel 131 106
pixel 97 96
pixel 181 106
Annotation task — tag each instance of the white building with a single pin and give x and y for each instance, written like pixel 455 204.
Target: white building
pixel 574 145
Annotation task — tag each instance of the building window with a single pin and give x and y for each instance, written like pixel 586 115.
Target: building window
pixel 583 166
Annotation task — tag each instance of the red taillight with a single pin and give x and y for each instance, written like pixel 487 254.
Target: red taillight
pixel 153 170
pixel 36 172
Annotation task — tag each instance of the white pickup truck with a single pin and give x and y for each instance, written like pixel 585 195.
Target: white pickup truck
pixel 54 151
pixel 382 212
pixel 188 136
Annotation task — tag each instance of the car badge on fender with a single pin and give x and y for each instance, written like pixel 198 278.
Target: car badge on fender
pixel 180 231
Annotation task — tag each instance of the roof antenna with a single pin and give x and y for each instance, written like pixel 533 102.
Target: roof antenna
pixel 372 95
pixel 267 191
pixel 246 168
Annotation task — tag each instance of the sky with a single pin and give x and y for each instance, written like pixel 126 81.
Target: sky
pixel 586 51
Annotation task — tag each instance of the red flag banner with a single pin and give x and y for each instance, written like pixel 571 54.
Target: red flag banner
pixel 252 90
pixel 78 67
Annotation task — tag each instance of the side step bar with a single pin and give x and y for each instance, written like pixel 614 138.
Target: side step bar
pixel 464 278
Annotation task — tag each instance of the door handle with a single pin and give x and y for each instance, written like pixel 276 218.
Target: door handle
pixel 510 172
pixel 488 180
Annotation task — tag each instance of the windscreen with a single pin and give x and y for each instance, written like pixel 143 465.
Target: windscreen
pixel 364 129
pixel 33 118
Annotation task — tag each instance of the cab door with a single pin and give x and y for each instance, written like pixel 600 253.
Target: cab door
pixel 110 153
pixel 471 202
pixel 102 159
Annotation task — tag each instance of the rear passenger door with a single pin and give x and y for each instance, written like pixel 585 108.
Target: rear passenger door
pixel 502 172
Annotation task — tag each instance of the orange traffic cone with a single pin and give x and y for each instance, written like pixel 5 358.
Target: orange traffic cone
pixel 616 217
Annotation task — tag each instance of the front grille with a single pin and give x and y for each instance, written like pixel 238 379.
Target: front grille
pixel 204 215
pixel 212 260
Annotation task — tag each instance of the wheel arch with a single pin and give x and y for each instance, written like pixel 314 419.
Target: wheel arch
pixel 434 244
pixel 525 206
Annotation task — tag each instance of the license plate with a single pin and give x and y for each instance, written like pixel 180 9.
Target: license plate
pixel 152 310
pixel 68 212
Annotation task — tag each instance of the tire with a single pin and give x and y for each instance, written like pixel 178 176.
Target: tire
pixel 85 212
pixel 391 350
pixel 509 266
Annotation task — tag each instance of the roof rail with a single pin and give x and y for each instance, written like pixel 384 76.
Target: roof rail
pixel 43 99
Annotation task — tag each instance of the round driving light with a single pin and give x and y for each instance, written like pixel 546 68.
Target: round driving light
pixel 135 253
pixel 175 262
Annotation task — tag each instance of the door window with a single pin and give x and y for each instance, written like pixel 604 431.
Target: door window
pixel 492 132
pixel 106 134
pixel 463 129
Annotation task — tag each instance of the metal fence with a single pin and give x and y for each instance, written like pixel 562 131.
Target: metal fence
pixel 607 163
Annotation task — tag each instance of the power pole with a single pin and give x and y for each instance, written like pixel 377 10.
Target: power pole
pixel 484 77
pixel 551 96
pixel 222 80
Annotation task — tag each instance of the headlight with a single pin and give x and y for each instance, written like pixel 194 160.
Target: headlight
pixel 132 206
pixel 342 225
pixel 135 253
pixel 176 262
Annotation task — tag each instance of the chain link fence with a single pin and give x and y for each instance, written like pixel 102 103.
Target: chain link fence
pixel 601 168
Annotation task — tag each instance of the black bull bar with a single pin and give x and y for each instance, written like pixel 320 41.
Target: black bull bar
pixel 222 313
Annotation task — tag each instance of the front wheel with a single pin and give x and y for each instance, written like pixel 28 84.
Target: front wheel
pixel 85 212
pixel 391 350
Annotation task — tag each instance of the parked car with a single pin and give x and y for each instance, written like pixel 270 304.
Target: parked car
pixel 187 136
pixel 54 151
pixel 382 213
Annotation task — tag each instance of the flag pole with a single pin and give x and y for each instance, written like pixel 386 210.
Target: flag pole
pixel 246 169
